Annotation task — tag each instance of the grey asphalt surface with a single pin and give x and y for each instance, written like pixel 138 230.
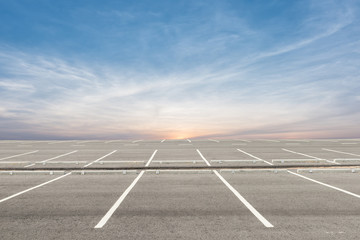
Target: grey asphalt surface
pixel 179 204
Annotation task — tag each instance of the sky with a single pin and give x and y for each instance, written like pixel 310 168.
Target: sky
pixel 165 69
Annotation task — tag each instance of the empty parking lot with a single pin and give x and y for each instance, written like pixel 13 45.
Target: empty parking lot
pixel 188 189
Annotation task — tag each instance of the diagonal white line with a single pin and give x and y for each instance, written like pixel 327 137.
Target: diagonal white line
pixel 254 156
pixel 18 155
pixel 32 188
pixel 111 211
pixel 108 215
pixel 62 155
pixel 302 154
pixel 245 202
pixel 99 159
pixel 352 154
pixel 203 158
pixel 151 158
pixel 238 195
pixel 326 185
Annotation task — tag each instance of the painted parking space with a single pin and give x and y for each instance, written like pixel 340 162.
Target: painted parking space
pixel 293 204
pixel 179 197
pixel 68 208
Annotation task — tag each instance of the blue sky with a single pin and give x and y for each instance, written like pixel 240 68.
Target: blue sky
pixel 179 69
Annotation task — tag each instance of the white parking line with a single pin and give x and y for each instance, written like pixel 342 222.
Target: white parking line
pixel 151 158
pixel 62 155
pixel 177 161
pixel 136 141
pixel 111 211
pixel 99 159
pixel 214 140
pixel 346 159
pixel 296 159
pixel 53 158
pixel 254 156
pixel 326 185
pixel 188 140
pixel 330 150
pixel 243 140
pixel 30 165
pixel 245 202
pixel 238 195
pixel 302 154
pixel 236 160
pixel 65 162
pixel 32 188
pixel 18 155
pixel 203 158
pixel 163 140
pixel 121 161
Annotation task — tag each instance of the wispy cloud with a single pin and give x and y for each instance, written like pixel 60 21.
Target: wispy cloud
pixel 11 86
pixel 213 74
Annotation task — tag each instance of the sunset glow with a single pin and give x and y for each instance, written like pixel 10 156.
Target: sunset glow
pixel 179 69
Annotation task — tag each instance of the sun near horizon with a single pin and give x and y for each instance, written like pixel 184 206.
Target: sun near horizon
pixel 179 69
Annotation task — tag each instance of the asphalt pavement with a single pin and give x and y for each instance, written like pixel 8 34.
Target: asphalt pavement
pixel 167 189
